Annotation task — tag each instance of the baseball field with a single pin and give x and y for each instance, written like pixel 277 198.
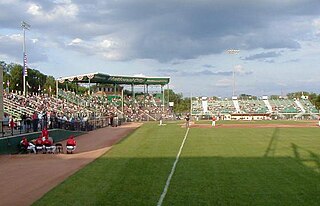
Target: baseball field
pixel 278 164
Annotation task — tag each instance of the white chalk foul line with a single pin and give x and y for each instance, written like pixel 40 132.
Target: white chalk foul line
pixel 165 189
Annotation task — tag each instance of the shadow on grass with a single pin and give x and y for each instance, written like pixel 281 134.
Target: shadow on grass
pixel 271 149
pixel 196 181
pixel 306 157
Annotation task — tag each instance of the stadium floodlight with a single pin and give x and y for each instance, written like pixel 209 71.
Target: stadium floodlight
pixel 233 51
pixel 25 26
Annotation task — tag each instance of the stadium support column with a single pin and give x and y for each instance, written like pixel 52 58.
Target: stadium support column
pixel 122 100
pixel 168 94
pixel 162 91
pixel 57 88
pixel 132 90
pixel 191 104
pixel 144 95
pixel 89 87
pixel 1 97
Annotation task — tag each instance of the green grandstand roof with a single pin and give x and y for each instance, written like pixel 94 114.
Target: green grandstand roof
pixel 118 79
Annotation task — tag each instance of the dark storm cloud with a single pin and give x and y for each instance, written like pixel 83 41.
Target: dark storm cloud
pixel 165 30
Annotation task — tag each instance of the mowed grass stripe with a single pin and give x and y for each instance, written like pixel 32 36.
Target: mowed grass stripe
pixel 134 172
pixel 238 166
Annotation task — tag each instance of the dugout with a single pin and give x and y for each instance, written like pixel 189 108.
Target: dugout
pixel 249 117
pixel 11 145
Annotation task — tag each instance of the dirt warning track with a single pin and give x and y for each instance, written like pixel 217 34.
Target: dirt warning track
pixel 26 178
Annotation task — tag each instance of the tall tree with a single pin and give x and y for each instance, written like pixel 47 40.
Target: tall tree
pixel 180 104
pixel 16 78
pixel 50 85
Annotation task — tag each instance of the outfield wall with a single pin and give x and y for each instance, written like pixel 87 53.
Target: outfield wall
pixel 11 145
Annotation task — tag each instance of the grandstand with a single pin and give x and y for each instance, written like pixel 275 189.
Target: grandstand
pixel 68 106
pixel 261 108
pixel 252 106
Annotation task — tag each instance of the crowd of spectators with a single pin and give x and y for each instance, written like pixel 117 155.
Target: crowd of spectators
pixel 72 111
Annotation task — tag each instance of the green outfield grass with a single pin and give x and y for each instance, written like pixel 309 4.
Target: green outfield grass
pixel 217 166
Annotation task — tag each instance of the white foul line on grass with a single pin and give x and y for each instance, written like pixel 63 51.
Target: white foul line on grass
pixel 165 189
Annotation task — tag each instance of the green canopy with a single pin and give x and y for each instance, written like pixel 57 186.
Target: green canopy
pixel 109 79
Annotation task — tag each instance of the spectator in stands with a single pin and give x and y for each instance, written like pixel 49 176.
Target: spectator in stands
pixel 28 146
pixel 45 119
pixel 35 121
pixel 111 120
pixel 11 125
pixel 45 133
pixel 28 125
pixel 71 144
pixel 40 120
pixel 23 121
pixel 5 120
pixel 116 119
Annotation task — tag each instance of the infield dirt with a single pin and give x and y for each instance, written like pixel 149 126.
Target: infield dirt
pixel 26 178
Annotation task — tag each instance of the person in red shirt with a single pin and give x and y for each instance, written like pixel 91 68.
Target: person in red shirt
pixel 71 144
pixel 48 144
pixel 24 142
pixel 214 119
pixel 45 133
pixel 12 125
pixel 27 145
pixel 39 143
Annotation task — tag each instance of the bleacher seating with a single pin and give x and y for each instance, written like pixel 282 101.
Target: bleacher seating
pixel 308 106
pixel 252 106
pixel 284 106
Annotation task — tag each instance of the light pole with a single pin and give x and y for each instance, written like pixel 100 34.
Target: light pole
pixel 24 26
pixel 233 51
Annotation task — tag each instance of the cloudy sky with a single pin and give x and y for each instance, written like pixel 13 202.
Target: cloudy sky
pixel 279 41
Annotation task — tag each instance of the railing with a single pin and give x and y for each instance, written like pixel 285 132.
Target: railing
pixel 29 126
